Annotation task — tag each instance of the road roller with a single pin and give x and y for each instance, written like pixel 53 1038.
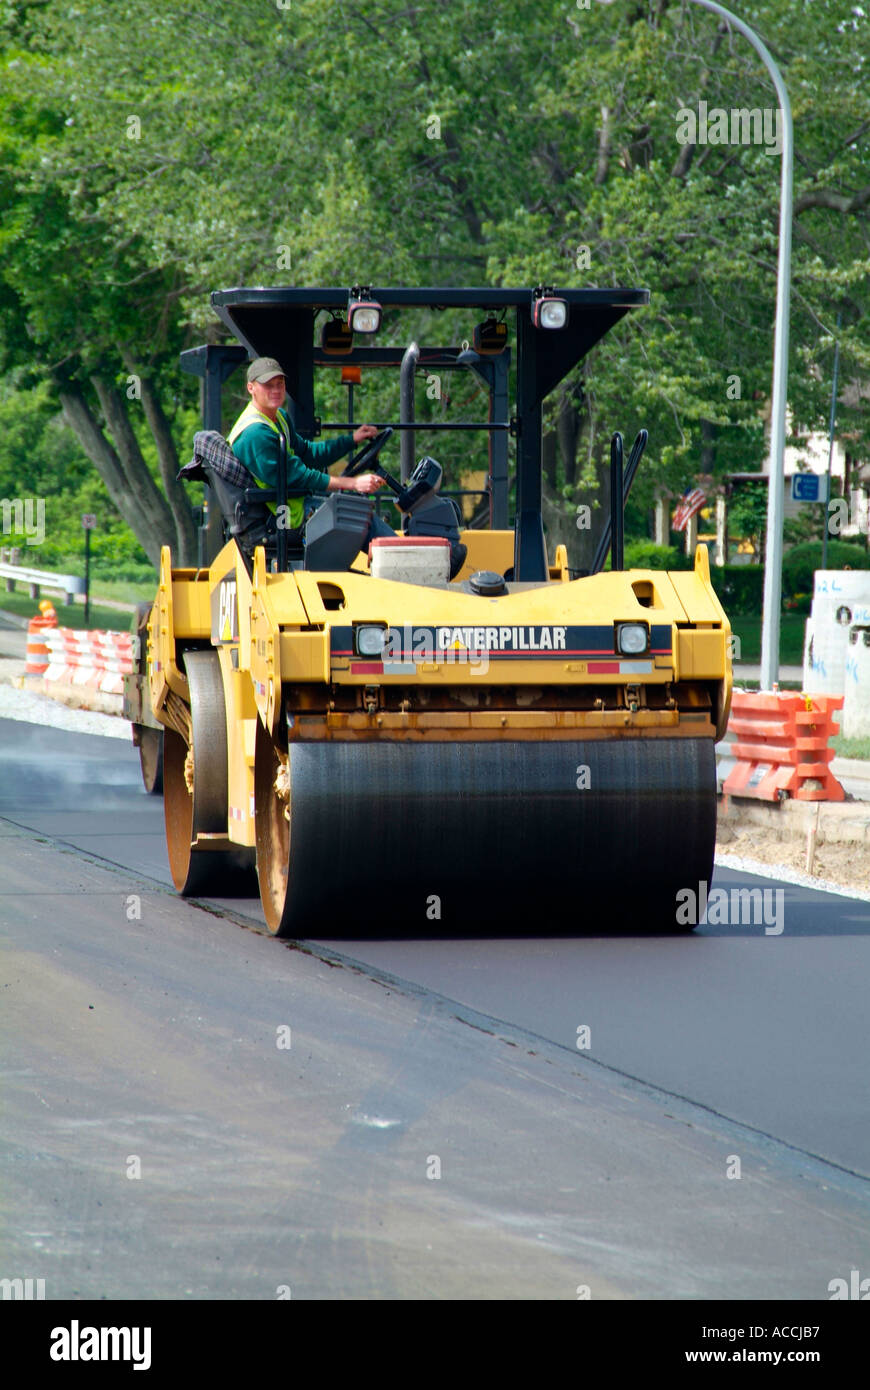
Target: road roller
pixel 447 729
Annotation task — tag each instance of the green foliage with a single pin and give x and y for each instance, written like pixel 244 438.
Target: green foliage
pixel 646 555
pixel 808 525
pixel 41 460
pixel 800 563
pixel 851 747
pixel 740 587
pixel 150 153
pixel 747 513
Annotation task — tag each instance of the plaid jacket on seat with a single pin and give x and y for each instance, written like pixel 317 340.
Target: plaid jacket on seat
pixel 211 450
pixel 247 519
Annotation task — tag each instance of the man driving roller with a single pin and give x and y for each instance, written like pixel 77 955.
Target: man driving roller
pixel 255 439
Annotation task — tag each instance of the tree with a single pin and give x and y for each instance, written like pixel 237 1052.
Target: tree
pixel 747 513
pixel 453 142
pixel 73 301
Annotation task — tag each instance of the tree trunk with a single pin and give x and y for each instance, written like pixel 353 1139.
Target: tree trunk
pixel 603 165
pixel 184 551
pixel 708 446
pixel 142 487
pixel 105 459
pixel 563 520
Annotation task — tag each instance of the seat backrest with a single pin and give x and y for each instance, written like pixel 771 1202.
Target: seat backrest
pixel 246 517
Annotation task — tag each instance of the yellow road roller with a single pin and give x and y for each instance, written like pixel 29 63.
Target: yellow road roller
pixel 446 729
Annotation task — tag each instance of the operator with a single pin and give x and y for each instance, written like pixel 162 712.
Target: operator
pixel 255 436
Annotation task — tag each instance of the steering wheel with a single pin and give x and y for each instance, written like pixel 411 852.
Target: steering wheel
pixel 368 456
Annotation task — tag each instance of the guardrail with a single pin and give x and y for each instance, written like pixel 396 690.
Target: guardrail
pixel 68 584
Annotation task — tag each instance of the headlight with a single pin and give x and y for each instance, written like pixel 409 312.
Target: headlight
pixel 370 641
pixel 631 639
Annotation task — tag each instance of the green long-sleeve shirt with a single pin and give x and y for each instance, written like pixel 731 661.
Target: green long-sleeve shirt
pixel 257 446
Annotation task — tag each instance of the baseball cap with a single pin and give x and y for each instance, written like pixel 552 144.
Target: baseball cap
pixel 264 368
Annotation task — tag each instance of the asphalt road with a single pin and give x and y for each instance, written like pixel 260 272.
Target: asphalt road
pixel 433 1129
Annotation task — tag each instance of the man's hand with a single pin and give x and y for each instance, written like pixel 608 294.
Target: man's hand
pixel 364 432
pixel 368 482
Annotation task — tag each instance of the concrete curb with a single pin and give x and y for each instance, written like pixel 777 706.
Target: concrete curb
pixel 14 619
pixel 840 822
pixel 73 696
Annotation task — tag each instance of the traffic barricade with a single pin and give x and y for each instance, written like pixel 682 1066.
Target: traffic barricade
pixel 782 746
pixel 88 662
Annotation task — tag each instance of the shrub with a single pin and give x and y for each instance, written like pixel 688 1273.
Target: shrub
pixel 646 555
pixel 800 563
pixel 740 588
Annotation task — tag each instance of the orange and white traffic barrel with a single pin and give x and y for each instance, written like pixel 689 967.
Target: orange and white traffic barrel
pixel 37 649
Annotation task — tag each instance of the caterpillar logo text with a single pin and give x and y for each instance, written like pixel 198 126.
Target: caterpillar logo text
pixel 225 612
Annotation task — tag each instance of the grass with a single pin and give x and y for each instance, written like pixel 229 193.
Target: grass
pixel 791 638
pixel 68 615
pixel 851 747
pixel 742 684
pixel 103 593
pixel 122 591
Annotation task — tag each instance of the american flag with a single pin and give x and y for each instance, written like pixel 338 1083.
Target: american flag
pixel 692 500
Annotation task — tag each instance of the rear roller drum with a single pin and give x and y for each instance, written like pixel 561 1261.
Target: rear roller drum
pixel 147 739
pixel 151 758
pixel 195 792
pixel 465 838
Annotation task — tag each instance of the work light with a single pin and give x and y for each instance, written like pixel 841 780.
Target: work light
pixel 490 337
pixel 363 312
pixel 548 310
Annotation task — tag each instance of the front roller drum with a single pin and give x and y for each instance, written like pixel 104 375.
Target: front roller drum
pixel 195 795
pixel 532 838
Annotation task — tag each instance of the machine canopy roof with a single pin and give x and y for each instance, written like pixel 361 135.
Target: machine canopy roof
pixel 277 322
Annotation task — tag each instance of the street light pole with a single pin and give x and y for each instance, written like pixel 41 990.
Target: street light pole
pixel 831 443
pixel 776 481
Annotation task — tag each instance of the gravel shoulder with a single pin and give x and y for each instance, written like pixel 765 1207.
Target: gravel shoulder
pixel 762 836
pixel 30 708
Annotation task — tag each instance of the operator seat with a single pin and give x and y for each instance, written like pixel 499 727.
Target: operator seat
pixel 246 518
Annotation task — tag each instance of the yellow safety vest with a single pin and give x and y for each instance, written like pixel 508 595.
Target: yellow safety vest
pixel 252 416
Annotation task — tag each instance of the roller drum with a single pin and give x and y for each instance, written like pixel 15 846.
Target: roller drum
pixel 527 837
